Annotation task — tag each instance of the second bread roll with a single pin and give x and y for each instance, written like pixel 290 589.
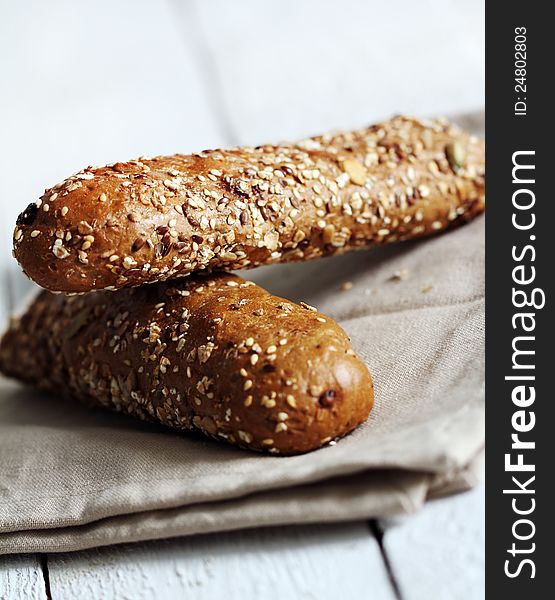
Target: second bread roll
pixel 214 354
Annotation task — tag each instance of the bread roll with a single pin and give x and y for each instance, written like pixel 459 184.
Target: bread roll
pixel 155 219
pixel 215 353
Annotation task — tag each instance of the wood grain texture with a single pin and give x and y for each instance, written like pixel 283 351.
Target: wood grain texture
pixel 309 562
pixel 21 578
pixel 439 552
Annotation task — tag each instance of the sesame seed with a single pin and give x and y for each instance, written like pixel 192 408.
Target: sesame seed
pixel 299 236
pixel 280 427
pixel 308 306
pixel 328 233
pixel 244 436
pixel 253 359
pixel 424 191
pixel 34 233
pixel 84 228
pixel 271 349
pixel 59 251
pixel 247 385
pixel 248 400
pixel 172 185
pixel 291 401
pixel 356 171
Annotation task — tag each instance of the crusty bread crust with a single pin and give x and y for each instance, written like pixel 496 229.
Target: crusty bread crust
pixel 211 353
pixel 150 220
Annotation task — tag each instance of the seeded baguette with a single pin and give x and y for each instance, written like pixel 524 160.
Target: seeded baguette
pixel 215 353
pixel 154 219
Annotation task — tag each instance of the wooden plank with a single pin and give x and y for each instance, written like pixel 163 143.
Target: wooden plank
pixel 21 578
pixel 320 562
pixel 439 552
pixel 290 68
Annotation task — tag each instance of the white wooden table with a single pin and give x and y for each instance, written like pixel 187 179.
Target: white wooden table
pixel 89 83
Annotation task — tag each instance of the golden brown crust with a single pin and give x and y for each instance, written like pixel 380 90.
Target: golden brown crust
pixel 212 353
pixel 153 219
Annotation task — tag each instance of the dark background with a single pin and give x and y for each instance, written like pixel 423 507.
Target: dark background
pixel 505 134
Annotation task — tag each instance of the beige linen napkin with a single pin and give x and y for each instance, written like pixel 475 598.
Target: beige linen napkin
pixel 73 477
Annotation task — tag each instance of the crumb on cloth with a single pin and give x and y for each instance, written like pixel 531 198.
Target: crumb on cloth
pixel 399 275
pixel 346 286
